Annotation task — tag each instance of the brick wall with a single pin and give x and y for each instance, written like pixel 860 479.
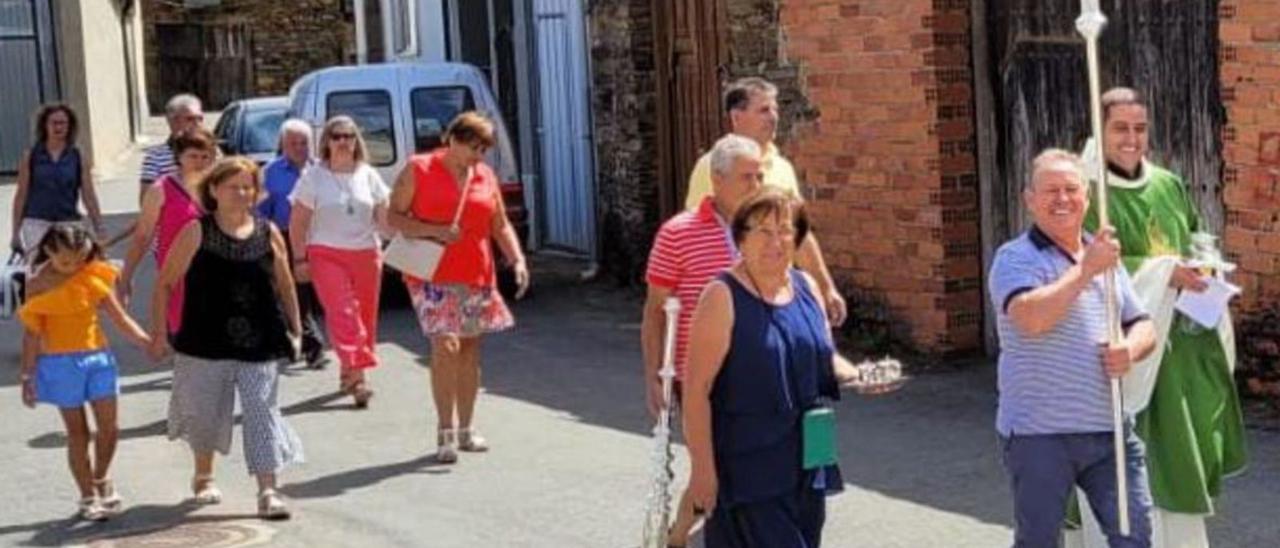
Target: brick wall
pixel 1250 70
pixel 288 39
pixel 889 159
pixel 1250 73
pixel 622 56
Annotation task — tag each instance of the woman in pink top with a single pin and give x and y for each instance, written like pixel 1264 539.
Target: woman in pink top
pixel 167 207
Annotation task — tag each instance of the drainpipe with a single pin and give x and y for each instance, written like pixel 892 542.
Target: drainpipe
pixel 130 72
pixel 388 30
pixel 410 15
pixel 362 41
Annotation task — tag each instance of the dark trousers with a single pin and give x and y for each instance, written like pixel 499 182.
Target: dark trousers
pixel 309 312
pixel 1044 469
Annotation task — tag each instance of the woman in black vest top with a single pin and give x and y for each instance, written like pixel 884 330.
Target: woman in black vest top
pixel 240 319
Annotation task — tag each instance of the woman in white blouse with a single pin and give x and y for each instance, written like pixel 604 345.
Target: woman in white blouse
pixel 339 204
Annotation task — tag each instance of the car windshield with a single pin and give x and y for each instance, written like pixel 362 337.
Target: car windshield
pixel 261 130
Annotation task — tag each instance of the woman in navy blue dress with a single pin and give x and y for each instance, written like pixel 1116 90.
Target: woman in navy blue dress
pixel 760 358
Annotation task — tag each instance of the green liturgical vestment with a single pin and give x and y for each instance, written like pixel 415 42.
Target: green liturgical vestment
pixel 1192 427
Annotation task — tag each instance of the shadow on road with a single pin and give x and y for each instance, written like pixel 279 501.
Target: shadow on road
pixel 58 439
pixel 338 484
pixel 576 349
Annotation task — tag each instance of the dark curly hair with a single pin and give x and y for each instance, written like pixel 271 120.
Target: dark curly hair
pixel 42 122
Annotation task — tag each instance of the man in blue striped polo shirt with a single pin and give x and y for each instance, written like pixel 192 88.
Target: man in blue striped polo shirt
pixel 1054 419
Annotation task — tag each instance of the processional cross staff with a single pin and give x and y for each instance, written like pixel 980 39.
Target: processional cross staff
pixel 1089 25
pixel 658 505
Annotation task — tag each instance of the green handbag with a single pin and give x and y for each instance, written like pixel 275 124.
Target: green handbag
pixel 818 432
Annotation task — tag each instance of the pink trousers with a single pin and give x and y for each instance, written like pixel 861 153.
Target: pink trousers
pixel 348 283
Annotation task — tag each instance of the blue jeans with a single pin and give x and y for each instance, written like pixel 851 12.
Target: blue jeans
pixel 1043 469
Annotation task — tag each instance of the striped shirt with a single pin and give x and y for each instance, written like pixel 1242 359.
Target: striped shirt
pixel 157 161
pixel 690 250
pixel 1053 383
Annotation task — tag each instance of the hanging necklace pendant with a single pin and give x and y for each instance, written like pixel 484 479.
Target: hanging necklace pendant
pixel 351 208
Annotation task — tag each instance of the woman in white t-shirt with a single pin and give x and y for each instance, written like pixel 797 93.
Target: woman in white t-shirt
pixel 339 204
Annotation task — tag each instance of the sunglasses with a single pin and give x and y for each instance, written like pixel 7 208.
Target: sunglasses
pixel 342 136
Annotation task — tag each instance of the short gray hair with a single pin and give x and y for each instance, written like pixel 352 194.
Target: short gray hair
pixel 182 101
pixel 727 151
pixel 296 126
pixel 1051 159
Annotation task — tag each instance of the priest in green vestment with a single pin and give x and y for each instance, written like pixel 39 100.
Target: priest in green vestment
pixel 1188 412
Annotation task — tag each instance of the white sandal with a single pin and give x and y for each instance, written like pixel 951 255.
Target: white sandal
pixel 90 510
pixel 470 440
pixel 108 497
pixel 271 506
pixel 447 446
pixel 205 491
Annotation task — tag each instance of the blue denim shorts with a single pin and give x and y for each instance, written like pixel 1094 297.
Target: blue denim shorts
pixel 70 380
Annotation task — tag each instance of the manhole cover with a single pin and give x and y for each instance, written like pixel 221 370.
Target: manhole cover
pixel 205 535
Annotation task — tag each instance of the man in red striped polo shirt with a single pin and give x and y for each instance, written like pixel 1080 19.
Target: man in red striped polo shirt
pixel 691 249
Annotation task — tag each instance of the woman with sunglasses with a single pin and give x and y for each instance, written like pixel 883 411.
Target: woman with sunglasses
pixel 339 203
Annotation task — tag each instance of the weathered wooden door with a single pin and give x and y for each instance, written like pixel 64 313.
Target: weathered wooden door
pixel 689 44
pixel 210 60
pixel 1166 49
pixel 1035 94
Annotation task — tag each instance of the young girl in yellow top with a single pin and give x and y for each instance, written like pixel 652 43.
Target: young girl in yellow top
pixel 65 358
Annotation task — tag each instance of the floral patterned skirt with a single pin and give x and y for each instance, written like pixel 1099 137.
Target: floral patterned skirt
pixel 457 309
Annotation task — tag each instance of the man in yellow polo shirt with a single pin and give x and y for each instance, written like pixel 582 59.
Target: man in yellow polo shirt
pixel 752 104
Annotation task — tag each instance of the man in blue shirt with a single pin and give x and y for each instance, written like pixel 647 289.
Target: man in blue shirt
pixel 1054 419
pixel 279 177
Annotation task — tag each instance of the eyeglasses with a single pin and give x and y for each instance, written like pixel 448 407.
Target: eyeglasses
pixel 342 136
pixel 785 234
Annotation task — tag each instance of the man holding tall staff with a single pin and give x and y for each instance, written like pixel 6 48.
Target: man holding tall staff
pixel 1055 410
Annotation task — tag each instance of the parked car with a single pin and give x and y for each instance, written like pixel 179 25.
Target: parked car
pixel 402 109
pixel 251 127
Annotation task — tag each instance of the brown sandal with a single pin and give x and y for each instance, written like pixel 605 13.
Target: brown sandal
pixel 356 387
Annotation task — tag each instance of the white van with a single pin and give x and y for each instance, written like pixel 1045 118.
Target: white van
pixel 402 109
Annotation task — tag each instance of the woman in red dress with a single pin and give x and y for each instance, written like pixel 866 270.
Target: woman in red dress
pixel 461 301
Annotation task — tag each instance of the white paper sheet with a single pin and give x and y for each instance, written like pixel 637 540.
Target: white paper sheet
pixel 1206 308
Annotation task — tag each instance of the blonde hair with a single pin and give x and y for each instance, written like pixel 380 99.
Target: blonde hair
pixel 471 128
pixel 342 122
pixel 222 172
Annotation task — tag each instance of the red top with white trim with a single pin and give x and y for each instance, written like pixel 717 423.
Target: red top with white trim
pixel 689 251
pixel 469 260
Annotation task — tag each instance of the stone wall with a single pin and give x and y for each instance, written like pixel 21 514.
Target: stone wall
pixel 624 107
pixel 287 39
pixel 889 160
